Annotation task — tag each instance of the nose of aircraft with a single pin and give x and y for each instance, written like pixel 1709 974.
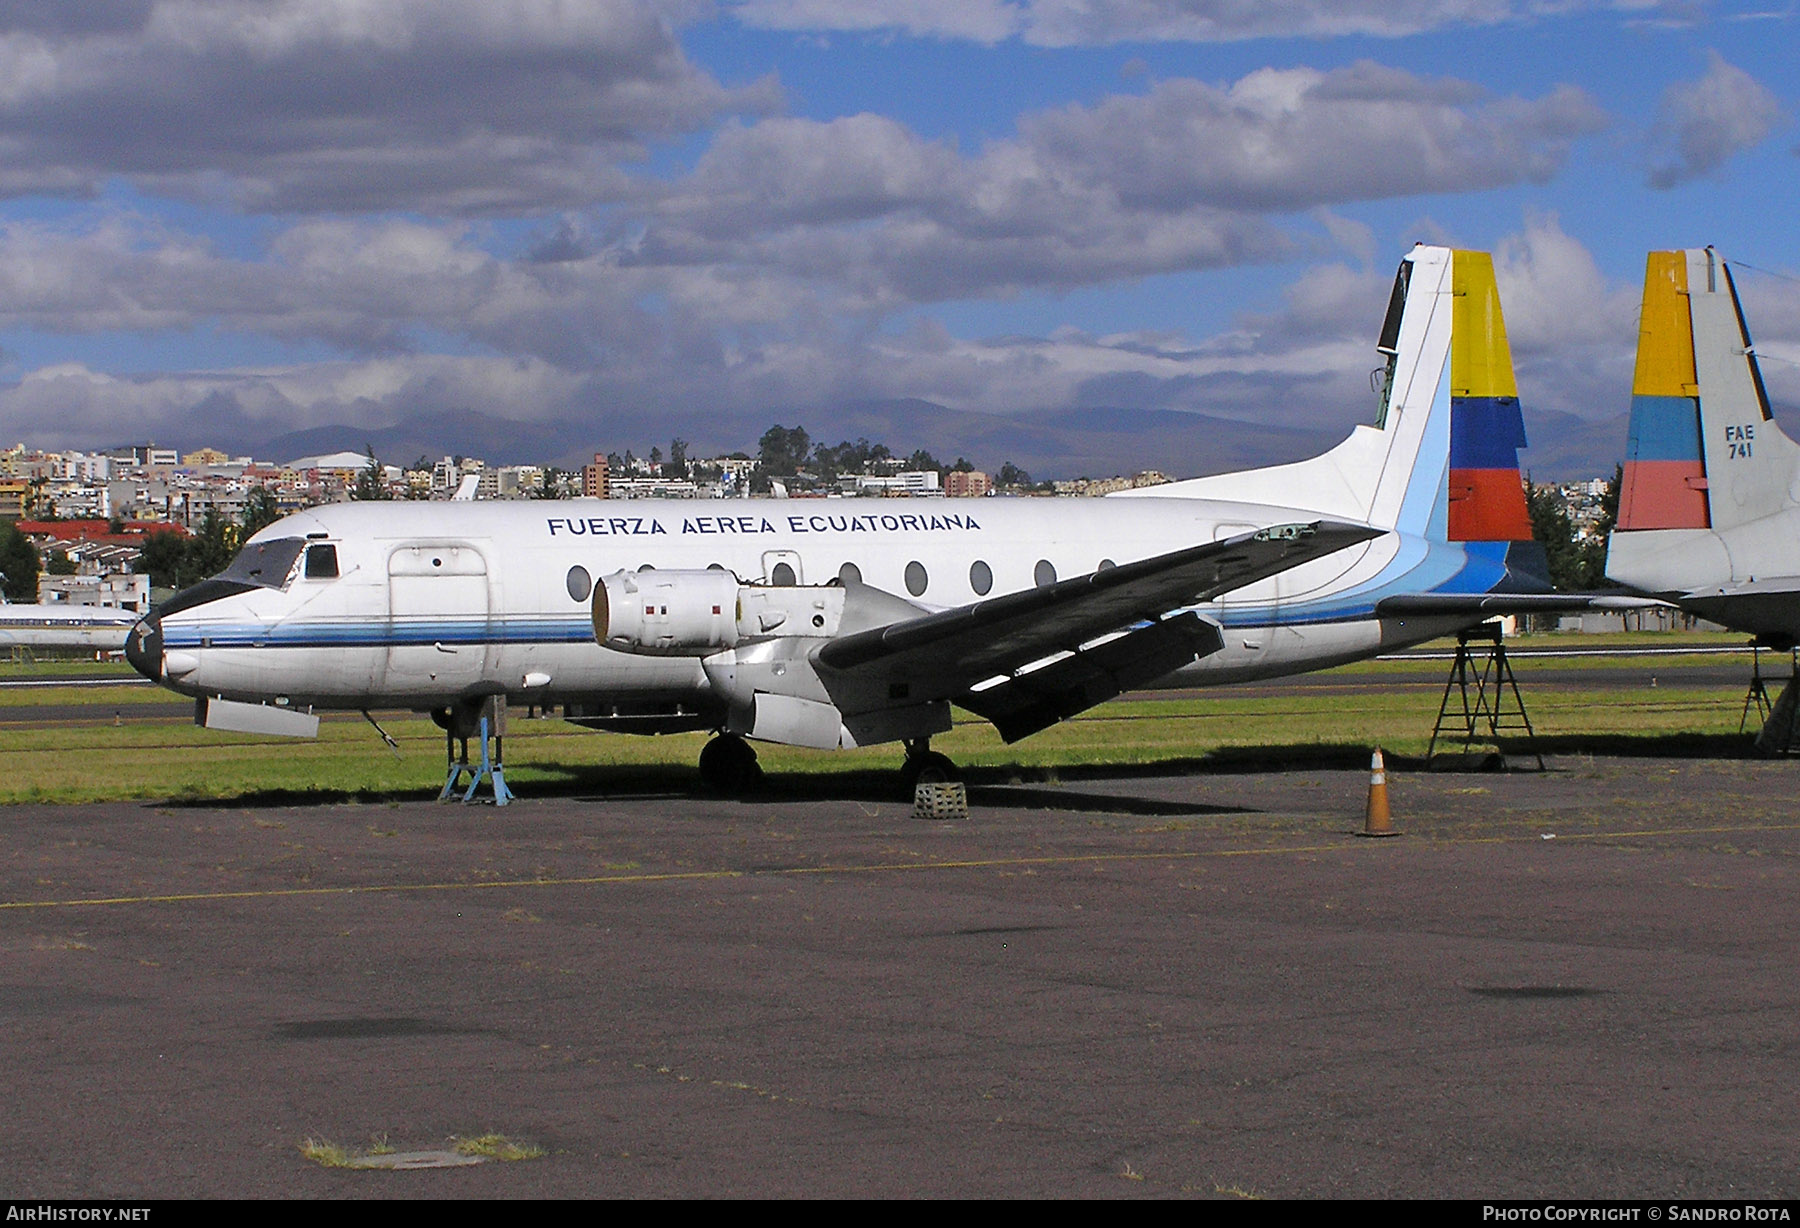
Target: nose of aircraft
pixel 144 649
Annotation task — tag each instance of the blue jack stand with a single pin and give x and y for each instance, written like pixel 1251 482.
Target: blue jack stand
pixel 494 710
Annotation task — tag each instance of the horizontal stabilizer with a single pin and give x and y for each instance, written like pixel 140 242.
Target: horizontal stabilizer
pixel 1769 586
pixel 1768 608
pixel 1419 605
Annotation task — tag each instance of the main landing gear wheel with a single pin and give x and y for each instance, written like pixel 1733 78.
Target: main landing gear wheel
pixel 925 766
pixel 728 765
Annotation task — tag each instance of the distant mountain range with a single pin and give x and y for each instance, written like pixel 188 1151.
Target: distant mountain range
pixel 1060 444
pixel 1067 443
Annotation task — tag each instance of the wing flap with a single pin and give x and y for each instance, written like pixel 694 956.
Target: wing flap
pixel 1036 699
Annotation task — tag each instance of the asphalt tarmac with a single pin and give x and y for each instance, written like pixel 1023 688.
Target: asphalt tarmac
pixel 1574 984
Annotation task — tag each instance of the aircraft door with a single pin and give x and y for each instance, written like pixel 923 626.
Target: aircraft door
pixel 438 616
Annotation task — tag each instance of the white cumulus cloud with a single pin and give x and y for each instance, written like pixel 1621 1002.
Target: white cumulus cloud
pixel 1066 23
pixel 458 106
pixel 1707 120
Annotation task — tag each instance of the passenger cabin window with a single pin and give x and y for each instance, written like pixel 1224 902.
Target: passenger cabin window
pixel 916 579
pixel 1044 574
pixel 981 578
pixel 321 563
pixel 782 576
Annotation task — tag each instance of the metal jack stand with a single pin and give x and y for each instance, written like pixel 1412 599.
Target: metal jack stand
pixel 1758 695
pixel 491 725
pixel 1483 679
pixel 1780 733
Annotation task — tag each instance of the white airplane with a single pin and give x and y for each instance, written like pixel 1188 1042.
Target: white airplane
pixel 64 625
pixel 1709 510
pixel 842 623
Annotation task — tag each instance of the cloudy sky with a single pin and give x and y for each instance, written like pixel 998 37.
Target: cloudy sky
pixel 307 212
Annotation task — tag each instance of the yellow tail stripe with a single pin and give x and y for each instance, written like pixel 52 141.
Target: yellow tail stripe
pixel 1665 354
pixel 1480 359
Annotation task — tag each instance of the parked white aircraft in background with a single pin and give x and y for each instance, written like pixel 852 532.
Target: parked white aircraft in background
pixel 1709 510
pixel 841 623
pixel 64 625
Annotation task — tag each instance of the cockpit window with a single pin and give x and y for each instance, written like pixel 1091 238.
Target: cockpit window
pixel 265 564
pixel 321 562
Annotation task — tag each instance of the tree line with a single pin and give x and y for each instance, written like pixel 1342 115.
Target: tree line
pixel 1575 565
pixel 173 559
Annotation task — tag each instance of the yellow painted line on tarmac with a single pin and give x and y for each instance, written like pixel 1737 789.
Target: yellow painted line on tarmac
pixel 994 863
pixel 275 893
pixel 668 877
pixel 1644 833
pixel 1683 831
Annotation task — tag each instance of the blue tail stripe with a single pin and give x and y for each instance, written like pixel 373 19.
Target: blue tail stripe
pixel 1664 429
pixel 1486 433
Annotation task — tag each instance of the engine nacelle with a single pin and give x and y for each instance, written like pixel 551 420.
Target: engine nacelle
pixel 698 613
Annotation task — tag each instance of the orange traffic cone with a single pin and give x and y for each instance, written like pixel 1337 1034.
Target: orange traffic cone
pixel 1376 820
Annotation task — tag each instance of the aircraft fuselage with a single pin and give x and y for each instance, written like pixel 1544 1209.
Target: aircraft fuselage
pixel 420 603
pixel 71 626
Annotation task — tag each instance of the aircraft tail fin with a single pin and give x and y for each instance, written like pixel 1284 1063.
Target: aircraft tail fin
pixel 1484 497
pixel 1708 510
pixel 1664 484
pixel 1704 451
pixel 1441 460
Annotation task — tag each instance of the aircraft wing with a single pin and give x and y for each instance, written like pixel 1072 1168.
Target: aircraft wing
pixel 1027 660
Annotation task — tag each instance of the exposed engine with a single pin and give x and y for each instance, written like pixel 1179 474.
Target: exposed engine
pixel 698 613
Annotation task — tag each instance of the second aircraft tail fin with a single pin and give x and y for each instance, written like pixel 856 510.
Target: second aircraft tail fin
pixel 1704 450
pixel 1708 497
pixel 1709 511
